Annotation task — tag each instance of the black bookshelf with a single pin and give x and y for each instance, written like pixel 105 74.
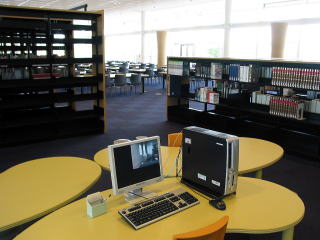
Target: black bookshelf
pixel 235 113
pixel 42 94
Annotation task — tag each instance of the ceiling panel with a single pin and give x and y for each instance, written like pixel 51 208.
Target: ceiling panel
pixel 109 5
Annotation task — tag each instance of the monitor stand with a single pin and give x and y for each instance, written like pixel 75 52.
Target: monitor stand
pixel 137 195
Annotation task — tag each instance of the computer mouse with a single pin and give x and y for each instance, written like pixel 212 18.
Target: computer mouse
pixel 218 204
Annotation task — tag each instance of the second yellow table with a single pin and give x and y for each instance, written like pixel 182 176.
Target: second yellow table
pixel 254 155
pixel 35 188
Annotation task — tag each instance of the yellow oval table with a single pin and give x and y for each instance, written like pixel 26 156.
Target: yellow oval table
pixel 254 155
pixel 258 207
pixel 35 188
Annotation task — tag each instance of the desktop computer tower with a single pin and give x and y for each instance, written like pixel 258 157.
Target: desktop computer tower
pixel 210 161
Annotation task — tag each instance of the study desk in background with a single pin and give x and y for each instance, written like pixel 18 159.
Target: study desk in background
pixel 259 207
pixel 155 70
pixel 112 68
pixel 35 188
pixel 134 64
pixel 254 155
pixel 128 75
pixel 140 70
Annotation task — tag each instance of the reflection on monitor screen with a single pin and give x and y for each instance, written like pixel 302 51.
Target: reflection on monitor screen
pixel 144 154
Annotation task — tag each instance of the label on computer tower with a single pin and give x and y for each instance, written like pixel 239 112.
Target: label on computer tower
pixel 187 140
pixel 202 177
pixel 216 183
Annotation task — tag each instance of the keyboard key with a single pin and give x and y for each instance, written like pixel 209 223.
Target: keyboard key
pixel 134 208
pixel 146 204
pixel 174 199
pixel 168 195
pixel 159 199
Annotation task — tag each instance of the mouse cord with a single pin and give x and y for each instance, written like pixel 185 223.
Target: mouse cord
pixel 199 193
pixel 204 196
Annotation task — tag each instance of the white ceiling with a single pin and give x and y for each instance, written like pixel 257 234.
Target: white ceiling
pixel 109 5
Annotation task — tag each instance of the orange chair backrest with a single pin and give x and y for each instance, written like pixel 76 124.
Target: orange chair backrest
pixel 174 139
pixel 215 231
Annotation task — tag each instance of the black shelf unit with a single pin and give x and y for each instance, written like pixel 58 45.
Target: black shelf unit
pixel 236 114
pixel 57 101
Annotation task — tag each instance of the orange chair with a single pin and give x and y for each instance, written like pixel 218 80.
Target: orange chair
pixel 215 231
pixel 174 139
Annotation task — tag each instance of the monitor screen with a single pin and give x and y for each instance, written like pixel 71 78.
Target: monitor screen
pixel 135 164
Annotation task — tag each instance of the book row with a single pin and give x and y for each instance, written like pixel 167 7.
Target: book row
pixel 208 95
pixel 296 77
pixel 312 106
pixel 286 107
pixel 244 73
pixel 280 76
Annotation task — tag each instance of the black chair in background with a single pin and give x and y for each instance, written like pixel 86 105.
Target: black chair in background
pixel 124 67
pixel 135 80
pixel 120 82
pixel 142 66
pixel 123 70
pixel 152 66
pixel 150 74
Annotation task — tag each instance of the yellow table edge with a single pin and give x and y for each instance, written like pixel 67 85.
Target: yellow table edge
pixel 55 207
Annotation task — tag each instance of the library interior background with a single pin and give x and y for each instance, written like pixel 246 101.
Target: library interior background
pixel 75 76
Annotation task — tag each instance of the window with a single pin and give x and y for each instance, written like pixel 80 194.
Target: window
pixel 302 42
pixel 250 31
pixel 310 38
pixel 200 43
pixel 292 44
pixel 124 47
pixel 250 42
pixel 150 48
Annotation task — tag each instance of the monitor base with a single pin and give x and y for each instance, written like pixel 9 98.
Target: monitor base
pixel 138 195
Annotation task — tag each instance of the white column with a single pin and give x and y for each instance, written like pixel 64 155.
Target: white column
pixel 227 14
pixel 142 35
pixel 278 33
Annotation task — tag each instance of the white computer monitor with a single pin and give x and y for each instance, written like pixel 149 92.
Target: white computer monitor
pixel 134 165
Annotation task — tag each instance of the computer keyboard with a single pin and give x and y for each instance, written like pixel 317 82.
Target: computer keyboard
pixel 157 208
